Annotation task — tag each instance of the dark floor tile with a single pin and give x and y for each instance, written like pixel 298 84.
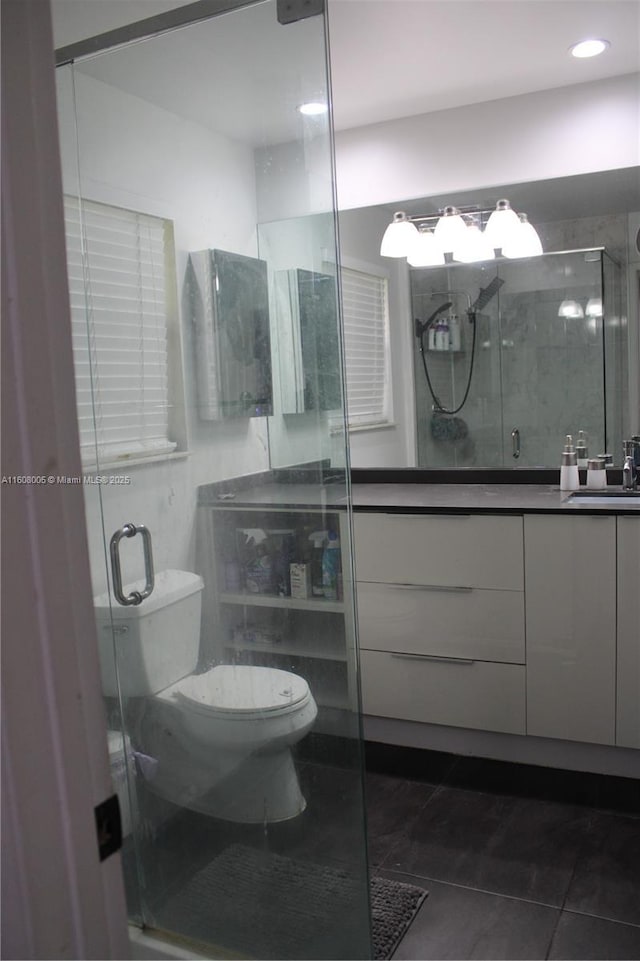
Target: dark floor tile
pixel 511 846
pixel 581 937
pixel 456 922
pixel 606 879
pixel 408 762
pixel 392 807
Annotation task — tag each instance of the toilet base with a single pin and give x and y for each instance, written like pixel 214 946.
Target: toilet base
pixel 262 790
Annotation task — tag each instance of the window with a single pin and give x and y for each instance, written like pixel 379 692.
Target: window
pixel 366 334
pixel 118 285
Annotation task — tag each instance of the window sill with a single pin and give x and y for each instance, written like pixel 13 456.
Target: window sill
pixel 360 428
pixel 124 463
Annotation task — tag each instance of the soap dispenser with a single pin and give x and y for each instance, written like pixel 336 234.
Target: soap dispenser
pixel 569 478
pixel 582 448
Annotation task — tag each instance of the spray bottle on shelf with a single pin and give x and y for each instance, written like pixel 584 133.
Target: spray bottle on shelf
pixel 318 539
pixel 569 477
pixel 331 567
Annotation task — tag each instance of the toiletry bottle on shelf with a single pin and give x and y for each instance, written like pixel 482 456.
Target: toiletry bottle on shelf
pixel 318 539
pixel 455 335
pixel 431 337
pixel 569 478
pixel 442 334
pixel 331 567
pixel 582 448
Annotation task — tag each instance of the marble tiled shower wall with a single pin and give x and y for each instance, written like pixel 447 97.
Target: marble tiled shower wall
pixel 535 371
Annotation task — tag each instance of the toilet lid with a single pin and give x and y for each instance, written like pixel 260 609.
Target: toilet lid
pixel 241 689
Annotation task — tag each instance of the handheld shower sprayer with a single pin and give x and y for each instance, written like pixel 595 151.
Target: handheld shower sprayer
pixel 485 295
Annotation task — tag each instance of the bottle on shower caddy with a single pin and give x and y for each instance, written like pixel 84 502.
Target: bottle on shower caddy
pixel 442 334
pixel 569 477
pixel 455 333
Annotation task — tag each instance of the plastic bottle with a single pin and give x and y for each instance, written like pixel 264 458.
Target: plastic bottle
pixel 569 477
pixel 442 334
pixel 331 567
pixel 455 334
pixel 431 338
pixel 582 449
pixel 318 539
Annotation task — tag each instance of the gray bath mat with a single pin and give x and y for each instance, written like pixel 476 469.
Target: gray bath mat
pixel 267 906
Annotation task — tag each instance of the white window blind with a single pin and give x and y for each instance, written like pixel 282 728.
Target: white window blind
pixel 117 284
pixel 365 314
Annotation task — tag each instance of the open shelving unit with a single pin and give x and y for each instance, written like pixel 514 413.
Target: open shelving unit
pixel 313 637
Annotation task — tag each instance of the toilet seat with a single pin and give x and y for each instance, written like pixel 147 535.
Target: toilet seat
pixel 240 691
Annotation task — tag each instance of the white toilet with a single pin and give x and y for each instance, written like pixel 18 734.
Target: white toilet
pixel 218 742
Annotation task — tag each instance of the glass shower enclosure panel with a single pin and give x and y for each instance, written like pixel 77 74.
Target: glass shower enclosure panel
pixel 225 619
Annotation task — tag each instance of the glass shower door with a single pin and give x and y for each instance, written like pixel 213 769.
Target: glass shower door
pixel 223 586
pixel 552 356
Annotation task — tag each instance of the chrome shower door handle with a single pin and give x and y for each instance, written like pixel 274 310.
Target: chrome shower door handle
pixel 515 443
pixel 136 597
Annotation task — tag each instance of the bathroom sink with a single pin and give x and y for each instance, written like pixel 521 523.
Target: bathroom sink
pixel 617 497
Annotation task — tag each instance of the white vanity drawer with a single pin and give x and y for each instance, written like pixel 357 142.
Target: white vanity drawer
pixel 470 694
pixel 449 622
pixel 453 550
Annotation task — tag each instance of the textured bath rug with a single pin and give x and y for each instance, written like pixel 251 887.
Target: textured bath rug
pixel 267 906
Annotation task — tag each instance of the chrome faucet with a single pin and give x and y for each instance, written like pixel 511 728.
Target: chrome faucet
pixel 631 449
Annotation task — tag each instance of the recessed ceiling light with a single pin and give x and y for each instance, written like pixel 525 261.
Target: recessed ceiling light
pixel 313 109
pixel 588 48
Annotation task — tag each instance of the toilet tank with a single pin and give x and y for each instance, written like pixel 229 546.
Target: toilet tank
pixel 156 642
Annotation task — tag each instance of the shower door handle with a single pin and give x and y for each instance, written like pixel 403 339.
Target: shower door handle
pixel 515 443
pixel 135 597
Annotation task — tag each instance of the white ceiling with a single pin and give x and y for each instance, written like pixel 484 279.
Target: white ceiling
pixel 244 74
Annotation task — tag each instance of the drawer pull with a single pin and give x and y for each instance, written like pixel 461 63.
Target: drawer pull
pixel 430 587
pixel 435 657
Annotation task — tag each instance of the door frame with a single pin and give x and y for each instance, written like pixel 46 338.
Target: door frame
pixel 59 899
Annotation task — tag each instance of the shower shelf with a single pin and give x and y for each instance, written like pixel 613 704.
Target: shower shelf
pixel 273 600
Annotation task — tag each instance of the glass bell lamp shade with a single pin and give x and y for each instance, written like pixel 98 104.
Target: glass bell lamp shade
pixel 473 247
pixel 524 242
pixel 570 310
pixel 398 237
pixel 503 225
pixel 449 230
pixel 594 307
pixel 425 251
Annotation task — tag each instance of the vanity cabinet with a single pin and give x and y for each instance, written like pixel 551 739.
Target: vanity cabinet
pixel 628 660
pixel 441 618
pixel 570 583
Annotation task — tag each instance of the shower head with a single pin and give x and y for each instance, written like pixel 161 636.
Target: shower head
pixel 486 294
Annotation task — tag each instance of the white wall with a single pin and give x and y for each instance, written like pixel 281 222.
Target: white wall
pixel 554 133
pixel 136 155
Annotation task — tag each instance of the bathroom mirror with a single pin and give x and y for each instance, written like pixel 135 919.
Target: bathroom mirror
pixel 537 369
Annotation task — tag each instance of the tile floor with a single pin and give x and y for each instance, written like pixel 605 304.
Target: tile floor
pixel 519 862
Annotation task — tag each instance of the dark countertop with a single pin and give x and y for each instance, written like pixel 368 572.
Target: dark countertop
pixel 478 498
pixel 410 498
